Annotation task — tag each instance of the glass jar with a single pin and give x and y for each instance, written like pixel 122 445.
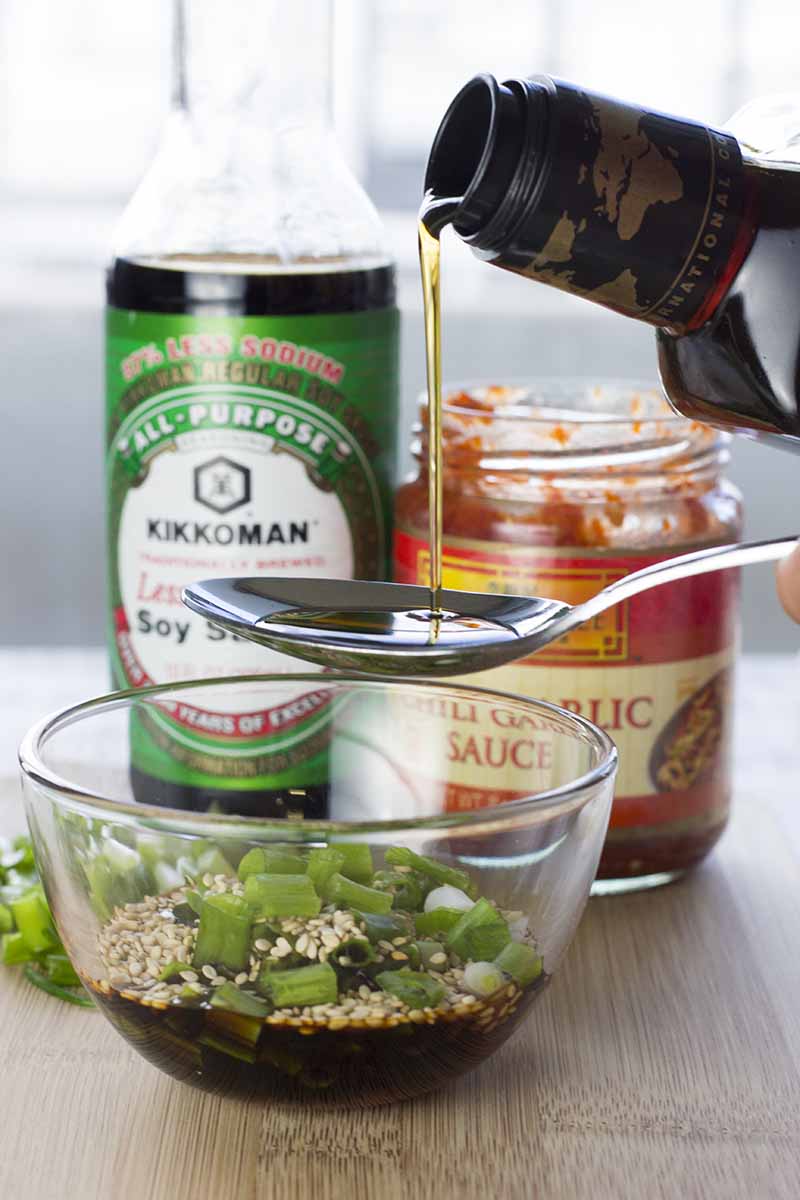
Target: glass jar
pixel 557 488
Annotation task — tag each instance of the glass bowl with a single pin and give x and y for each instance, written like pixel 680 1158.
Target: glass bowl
pixel 371 922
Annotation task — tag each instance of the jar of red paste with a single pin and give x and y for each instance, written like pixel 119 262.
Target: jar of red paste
pixel 557 488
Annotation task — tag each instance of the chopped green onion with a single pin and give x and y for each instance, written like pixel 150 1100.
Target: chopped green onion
pixel 429 950
pixel 233 1047
pixel 229 996
pixel 438 921
pixel 263 929
pixel 184 913
pixel 357 861
pixel 304 986
pixel 439 872
pixel 480 934
pixel 415 988
pixel 268 860
pixel 60 970
pixel 483 978
pixel 34 922
pixel 405 888
pixel 278 1056
pixel 187 868
pixel 281 896
pixel 347 894
pixel 385 926
pixel 521 962
pixel 15 950
pixel 167 877
pixel 323 862
pixel 172 971
pixel 447 896
pixel 195 901
pixel 356 949
pixel 152 850
pixel 188 995
pixel 214 862
pixel 120 857
pixel 23 854
pixel 35 976
pixel 223 936
pixel 269 967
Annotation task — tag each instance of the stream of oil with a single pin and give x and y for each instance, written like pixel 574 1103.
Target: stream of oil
pixel 365 620
pixel 433 216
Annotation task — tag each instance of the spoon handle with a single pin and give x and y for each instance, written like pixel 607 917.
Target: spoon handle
pixel 715 558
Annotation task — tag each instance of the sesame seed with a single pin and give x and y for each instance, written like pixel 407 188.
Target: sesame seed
pixel 140 937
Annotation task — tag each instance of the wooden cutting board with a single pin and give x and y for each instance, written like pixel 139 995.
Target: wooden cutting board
pixel 663 1062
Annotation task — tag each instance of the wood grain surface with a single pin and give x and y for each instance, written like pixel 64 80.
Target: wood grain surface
pixel 663 1062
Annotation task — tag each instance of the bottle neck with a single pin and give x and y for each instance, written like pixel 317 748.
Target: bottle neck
pixel 645 213
pixel 258 63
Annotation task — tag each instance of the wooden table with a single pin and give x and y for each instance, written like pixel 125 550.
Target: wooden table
pixel 663 1062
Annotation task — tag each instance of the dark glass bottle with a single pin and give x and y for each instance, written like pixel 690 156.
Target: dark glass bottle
pixel 657 217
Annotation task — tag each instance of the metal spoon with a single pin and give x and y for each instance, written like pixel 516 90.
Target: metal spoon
pixel 389 627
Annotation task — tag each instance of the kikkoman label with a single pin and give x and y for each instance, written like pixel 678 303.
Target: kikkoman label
pixel 238 446
pixel 654 672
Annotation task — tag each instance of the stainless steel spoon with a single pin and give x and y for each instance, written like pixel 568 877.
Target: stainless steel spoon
pixel 389 628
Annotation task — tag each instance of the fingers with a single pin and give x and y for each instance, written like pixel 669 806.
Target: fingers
pixel 788 573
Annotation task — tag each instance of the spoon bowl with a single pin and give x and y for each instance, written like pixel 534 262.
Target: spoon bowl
pixel 375 627
pixel 389 628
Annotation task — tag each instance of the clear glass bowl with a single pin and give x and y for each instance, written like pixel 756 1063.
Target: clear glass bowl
pixel 506 798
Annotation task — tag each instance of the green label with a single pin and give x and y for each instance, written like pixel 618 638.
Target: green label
pixel 239 446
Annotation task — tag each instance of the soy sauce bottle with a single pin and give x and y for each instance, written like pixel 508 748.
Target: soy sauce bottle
pixel 252 392
pixel 660 218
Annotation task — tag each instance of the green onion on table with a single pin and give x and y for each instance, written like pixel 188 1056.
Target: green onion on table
pixel 29 938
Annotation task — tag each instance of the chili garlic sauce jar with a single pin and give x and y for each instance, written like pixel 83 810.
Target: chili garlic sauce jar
pixel 557 489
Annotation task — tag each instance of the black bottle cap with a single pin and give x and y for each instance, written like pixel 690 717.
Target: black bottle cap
pixel 634 209
pixel 476 151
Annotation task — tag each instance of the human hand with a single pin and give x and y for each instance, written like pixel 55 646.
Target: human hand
pixel 788 580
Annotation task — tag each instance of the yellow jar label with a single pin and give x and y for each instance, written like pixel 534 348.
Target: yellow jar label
pixel 654 671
